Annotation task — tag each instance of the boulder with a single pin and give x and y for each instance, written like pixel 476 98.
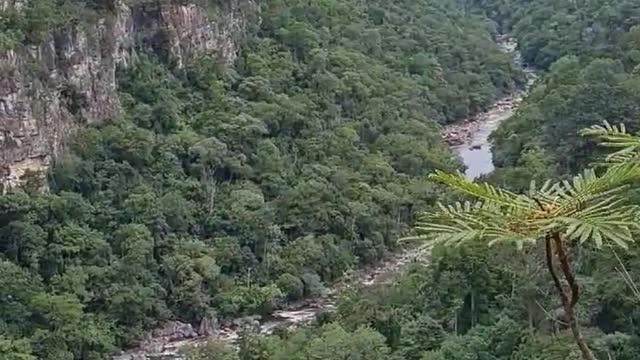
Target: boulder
pixel 208 326
pixel 176 331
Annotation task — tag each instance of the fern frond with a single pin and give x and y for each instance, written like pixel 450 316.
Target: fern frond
pixel 606 129
pixel 605 225
pixel 588 188
pixel 616 136
pixel 590 206
pixel 483 191
pixel 456 224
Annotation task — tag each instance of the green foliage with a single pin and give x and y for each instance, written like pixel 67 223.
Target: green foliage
pixel 475 303
pixel 12 349
pixel 550 30
pixel 291 286
pixel 248 300
pixel 333 342
pixel 312 284
pixel 590 208
pixel 483 342
pixel 616 137
pixel 572 96
pixel 255 347
pixel 589 49
pixel 307 157
pixel 212 350
pixel 419 336
pixel 34 22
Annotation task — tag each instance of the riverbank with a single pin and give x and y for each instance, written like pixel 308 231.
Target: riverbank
pixel 461 133
pixel 168 343
pixel 469 139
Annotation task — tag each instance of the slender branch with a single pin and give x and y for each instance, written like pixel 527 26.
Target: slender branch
pixel 566 269
pixel 568 305
pixel 624 273
pixel 550 316
pixel 540 204
pixel 556 281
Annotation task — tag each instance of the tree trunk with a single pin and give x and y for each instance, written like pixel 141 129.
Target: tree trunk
pixel 575 294
pixel 530 319
pixel 212 195
pixel 567 302
pixel 455 325
pixel 473 308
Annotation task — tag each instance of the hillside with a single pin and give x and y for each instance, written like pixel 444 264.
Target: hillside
pixel 473 301
pixel 220 186
pixel 591 52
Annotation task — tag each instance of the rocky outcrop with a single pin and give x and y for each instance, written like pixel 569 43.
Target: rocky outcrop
pixel 48 90
pixel 462 133
pixel 163 344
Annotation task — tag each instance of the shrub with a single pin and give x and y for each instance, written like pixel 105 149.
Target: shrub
pixel 312 284
pixel 291 286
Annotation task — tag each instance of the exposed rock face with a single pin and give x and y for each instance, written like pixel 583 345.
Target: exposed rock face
pixel 47 91
pixel 176 331
pixel 208 325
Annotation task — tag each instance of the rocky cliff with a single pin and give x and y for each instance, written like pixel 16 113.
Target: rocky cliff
pixel 68 80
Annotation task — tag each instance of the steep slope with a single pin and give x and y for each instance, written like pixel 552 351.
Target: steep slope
pixel 222 191
pixel 59 60
pixel 591 50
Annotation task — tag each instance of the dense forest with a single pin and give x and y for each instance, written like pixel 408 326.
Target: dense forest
pixel 478 302
pixel 591 51
pixel 225 191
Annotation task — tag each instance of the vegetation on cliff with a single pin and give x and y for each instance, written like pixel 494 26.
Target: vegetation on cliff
pixel 225 191
pixel 548 274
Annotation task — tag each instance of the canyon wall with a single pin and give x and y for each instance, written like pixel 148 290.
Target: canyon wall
pixel 69 80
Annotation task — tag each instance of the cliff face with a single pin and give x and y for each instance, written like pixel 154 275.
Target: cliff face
pixel 47 91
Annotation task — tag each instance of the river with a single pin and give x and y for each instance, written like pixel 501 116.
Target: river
pixel 470 141
pixel 296 315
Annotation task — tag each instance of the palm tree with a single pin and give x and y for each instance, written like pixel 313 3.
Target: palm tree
pixel 590 208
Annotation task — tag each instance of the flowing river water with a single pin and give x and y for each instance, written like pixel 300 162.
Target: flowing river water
pixel 469 140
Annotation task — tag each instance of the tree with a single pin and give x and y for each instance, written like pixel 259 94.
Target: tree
pixel 333 342
pixel 592 207
pixel 304 157
pixel 291 286
pixel 420 335
pixel 15 349
pixel 212 350
pixel 17 288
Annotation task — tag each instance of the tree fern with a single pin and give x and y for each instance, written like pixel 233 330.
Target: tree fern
pixel 591 207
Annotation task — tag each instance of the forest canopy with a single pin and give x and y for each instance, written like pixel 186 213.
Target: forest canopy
pixel 223 191
pixel 591 50
pixel 476 302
